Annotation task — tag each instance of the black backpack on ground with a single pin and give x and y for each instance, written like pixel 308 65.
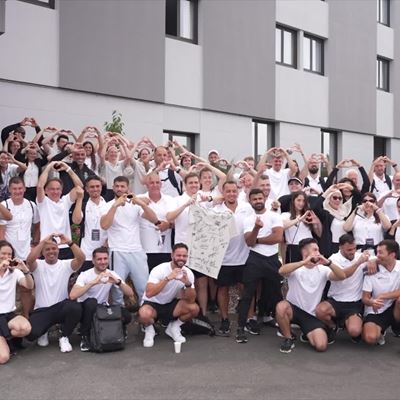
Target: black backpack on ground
pixel 198 326
pixel 106 333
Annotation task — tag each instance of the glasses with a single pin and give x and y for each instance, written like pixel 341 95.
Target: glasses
pixel 369 201
pixel 337 198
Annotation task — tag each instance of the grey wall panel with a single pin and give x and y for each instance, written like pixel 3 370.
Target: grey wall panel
pixel 238 39
pixel 350 58
pixel 113 47
pixel 395 67
pixel 2 16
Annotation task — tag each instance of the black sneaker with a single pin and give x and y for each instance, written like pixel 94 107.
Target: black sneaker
pixel 356 339
pixel 224 328
pixel 252 327
pixel 331 333
pixel 212 306
pixel 241 336
pixel 85 346
pixel 287 345
pixel 304 338
pixel 396 332
pixel 280 334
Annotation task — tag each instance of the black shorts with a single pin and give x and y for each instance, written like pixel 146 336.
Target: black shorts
pixel 306 321
pixel 197 274
pixel 259 266
pixel 165 312
pixel 4 319
pixel 345 309
pixel 384 320
pixel 230 275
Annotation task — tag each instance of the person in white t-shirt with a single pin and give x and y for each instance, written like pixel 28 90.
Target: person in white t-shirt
pixel 306 281
pixel 170 296
pixel 88 215
pixel 343 307
pixel 381 295
pixel 388 200
pixel 93 287
pixel 13 271
pixel 53 207
pixel 22 230
pixel 52 305
pixel 122 220
pixel 263 231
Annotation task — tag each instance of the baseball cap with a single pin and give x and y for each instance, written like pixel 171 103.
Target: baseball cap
pixel 294 178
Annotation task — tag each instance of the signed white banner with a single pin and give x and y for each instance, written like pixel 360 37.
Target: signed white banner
pixel 209 236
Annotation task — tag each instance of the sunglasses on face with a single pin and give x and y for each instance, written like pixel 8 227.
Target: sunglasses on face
pixel 337 198
pixel 368 201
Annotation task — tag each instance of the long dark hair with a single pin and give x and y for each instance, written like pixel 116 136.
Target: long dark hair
pixel 306 207
pixel 369 194
pixel 93 155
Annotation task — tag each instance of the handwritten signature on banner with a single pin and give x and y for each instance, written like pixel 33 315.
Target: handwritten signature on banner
pixel 209 236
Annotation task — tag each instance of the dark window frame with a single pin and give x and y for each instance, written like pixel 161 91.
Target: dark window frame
pixel 333 142
pixel 273 138
pixel 191 136
pixel 322 43
pixel 384 86
pixel 379 16
pixel 48 4
pixel 195 23
pixel 294 33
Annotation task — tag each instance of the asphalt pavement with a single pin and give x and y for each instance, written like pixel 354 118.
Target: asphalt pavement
pixel 214 368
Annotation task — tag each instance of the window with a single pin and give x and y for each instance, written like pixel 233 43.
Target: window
pixel 383 12
pixel 263 137
pixel 313 54
pixel 286 46
pixel 380 146
pixel 187 140
pixel 181 19
pixel 329 147
pixel 43 3
pixel 382 74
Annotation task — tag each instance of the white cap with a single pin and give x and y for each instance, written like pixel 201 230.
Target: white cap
pixel 213 151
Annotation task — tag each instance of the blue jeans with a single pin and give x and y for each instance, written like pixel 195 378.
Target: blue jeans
pixel 133 265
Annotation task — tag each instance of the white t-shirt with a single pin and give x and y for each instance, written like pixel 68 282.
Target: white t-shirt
pixel 94 236
pixel 237 251
pixel 100 291
pixel 297 232
pixel 124 233
pixel 390 206
pixel 270 220
pixel 18 230
pixel 31 175
pixel 306 286
pixel 314 183
pixel 337 229
pixel 166 186
pixel 139 175
pixel 172 288
pixel 382 282
pixel 349 289
pixel 51 282
pixel 8 286
pixel 54 217
pixel 366 228
pixel 182 221
pixel 380 186
pixel 154 241
pixel 89 164
pixel 279 182
pixel 109 172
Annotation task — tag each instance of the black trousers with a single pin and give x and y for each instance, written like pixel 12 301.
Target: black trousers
pixel 89 308
pixel 259 267
pixel 66 312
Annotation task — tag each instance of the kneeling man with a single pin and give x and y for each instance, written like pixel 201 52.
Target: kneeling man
pixel 169 296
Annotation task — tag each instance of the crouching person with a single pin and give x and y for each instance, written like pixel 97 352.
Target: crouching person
pixel 52 305
pixel 12 272
pixel 92 288
pixel 169 296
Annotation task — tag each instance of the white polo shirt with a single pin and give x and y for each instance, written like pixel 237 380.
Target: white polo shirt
pixel 172 289
pixel 94 236
pixel 154 241
pixel 349 289
pixel 124 232
pixel 390 206
pixel 380 185
pixel 270 220
pixel 306 286
pixel 8 287
pixel 382 282
pixel 366 228
pixel 279 182
pixel 237 250
pixel 18 230
pixel 51 282
pixel 101 291
pixel 166 186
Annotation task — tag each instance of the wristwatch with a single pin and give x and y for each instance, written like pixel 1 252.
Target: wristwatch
pixel 189 285
pixel 328 264
pixel 119 282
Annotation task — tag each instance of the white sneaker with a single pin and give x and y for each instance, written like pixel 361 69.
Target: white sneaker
pixel 65 345
pixel 43 341
pixel 381 339
pixel 174 331
pixel 149 333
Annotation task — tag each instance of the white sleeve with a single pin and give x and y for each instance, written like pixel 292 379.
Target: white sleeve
pixel 367 285
pixel 248 223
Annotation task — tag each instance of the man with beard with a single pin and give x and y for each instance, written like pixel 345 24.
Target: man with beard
pixel 313 180
pixel 263 231
pixel 170 296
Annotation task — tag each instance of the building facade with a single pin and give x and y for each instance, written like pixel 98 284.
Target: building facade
pixel 235 75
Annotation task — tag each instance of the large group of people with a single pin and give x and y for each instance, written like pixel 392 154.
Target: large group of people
pixel 80 214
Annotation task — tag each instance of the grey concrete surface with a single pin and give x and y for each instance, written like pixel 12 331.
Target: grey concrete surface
pixel 208 368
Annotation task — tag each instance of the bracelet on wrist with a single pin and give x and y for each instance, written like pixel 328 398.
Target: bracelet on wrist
pixel 68 170
pixel 71 243
pixel 394 165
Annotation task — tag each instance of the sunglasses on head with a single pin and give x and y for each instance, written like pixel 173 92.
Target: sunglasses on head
pixel 368 201
pixel 337 198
